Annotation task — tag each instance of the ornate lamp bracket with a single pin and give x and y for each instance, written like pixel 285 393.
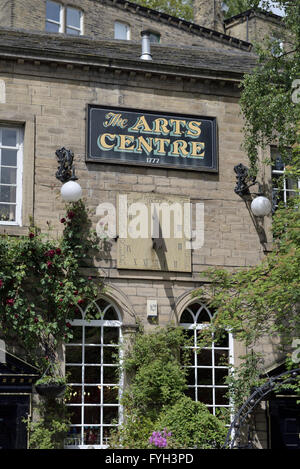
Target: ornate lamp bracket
pixel 66 170
pixel 243 180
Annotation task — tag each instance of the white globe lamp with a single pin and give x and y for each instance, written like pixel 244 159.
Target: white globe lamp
pixel 71 191
pixel 261 206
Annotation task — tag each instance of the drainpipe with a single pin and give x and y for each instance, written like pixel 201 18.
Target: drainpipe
pixel 146 55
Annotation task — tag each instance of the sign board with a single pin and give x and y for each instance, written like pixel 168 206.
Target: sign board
pixel 146 138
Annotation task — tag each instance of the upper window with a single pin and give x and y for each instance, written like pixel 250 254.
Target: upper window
pixel 92 362
pixel 61 19
pixel 209 366
pixel 11 162
pixel 122 30
pixel 283 187
pixel 154 37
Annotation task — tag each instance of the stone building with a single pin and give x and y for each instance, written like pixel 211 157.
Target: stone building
pixel 68 69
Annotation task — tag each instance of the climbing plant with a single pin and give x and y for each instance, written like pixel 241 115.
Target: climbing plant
pixel 41 284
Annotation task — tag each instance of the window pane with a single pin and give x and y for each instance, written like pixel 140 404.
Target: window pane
pixel 205 395
pixel 154 37
pixel 92 374
pixel 204 358
pixel 92 335
pixel 75 414
pixel 52 27
pixel 221 357
pixel 75 396
pixel 110 355
pixel 7 212
pixel 121 30
pixel 204 376
pixel 220 396
pixel 110 414
pixel 111 314
pixel 110 375
pixel 190 376
pixel 73 32
pixel 291 184
pixel 8 157
pixel 92 414
pixel 74 374
pixel 7 194
pixel 77 335
pixel 110 335
pixel 52 11
pixel 8 176
pixel 73 17
pixel 220 375
pixel 110 395
pixel 73 354
pixel 92 395
pixel 92 354
pixel 9 137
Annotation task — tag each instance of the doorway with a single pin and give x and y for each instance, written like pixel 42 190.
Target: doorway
pixel 13 431
pixel 284 423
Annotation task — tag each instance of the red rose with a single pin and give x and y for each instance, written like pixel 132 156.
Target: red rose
pixel 58 251
pixel 49 264
pixel 68 324
pixel 50 253
pixel 90 278
pixel 31 235
pixel 10 301
pixel 36 320
pixel 60 284
pixel 71 214
pixel 60 299
pixel 76 292
pixel 80 302
pixel 63 220
pixel 16 316
pixel 1 283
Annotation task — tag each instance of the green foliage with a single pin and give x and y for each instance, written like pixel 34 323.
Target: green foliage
pixel 244 378
pixel 264 299
pixel 179 8
pixel 41 285
pixel 192 425
pixel 153 364
pixel 271 114
pixel 154 398
pixel 50 430
pixel 238 6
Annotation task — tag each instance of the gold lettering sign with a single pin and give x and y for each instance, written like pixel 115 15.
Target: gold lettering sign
pixel 126 136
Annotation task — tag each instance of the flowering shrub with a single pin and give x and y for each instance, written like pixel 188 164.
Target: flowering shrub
pixel 160 439
pixel 41 283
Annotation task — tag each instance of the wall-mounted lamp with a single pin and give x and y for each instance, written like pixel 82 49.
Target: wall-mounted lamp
pixel 260 206
pixel 70 191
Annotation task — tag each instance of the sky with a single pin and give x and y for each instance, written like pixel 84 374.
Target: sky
pixel 276 10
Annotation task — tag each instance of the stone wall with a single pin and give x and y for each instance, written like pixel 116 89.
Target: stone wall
pixel 56 102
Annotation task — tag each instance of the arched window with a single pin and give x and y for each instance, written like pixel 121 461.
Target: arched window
pixel 92 360
pixel 208 366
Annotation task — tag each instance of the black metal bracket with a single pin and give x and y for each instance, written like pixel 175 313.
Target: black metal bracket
pixel 243 180
pixel 66 170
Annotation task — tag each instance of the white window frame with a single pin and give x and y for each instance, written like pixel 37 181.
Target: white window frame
pixel 213 386
pixel 103 442
pixel 284 190
pixel 19 174
pixel 128 30
pixel 80 29
pixel 63 19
